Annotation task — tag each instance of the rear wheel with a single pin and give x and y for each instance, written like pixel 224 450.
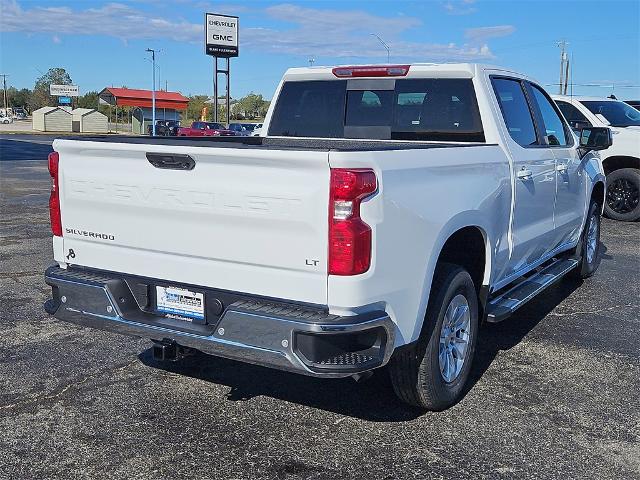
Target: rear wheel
pixel 432 373
pixel 623 195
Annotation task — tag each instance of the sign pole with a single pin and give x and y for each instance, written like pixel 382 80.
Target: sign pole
pixel 215 89
pixel 228 96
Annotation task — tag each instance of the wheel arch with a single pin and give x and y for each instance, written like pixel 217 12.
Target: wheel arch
pixel 465 243
pixel 616 162
pixel 598 193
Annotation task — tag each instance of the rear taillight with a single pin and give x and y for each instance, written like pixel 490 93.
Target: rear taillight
pixel 349 236
pixel 54 198
pixel 371 71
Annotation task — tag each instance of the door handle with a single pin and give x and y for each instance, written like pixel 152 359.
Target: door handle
pixel 524 174
pixel 561 167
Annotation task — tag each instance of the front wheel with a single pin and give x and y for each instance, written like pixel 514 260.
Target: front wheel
pixel 588 250
pixel 623 195
pixel 432 373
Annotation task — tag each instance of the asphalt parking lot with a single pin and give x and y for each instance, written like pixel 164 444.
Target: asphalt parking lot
pixel 555 391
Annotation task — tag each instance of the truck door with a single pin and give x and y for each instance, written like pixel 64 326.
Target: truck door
pixel 570 200
pixel 534 176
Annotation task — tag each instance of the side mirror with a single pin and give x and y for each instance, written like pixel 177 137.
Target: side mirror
pixel 595 138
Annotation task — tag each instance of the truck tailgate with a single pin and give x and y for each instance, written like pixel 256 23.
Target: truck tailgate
pixel 246 220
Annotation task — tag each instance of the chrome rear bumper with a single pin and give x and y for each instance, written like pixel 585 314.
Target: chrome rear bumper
pixel 272 334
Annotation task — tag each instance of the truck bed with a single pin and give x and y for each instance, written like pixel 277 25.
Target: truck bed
pixel 279 143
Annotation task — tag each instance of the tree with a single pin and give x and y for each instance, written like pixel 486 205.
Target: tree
pixel 88 100
pixel 19 98
pixel 196 104
pixel 41 96
pixel 251 106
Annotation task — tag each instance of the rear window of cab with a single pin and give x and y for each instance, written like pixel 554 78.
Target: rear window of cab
pixel 412 109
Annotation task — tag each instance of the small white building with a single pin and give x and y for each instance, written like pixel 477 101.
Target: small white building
pixel 52 119
pixel 87 120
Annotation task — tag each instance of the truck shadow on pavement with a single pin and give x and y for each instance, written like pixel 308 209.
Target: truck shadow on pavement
pixel 371 400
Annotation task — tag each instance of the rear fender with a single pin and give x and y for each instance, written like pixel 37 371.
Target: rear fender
pixel 464 219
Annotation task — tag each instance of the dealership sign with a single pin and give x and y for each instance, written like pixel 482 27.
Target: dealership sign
pixel 64 90
pixel 221 35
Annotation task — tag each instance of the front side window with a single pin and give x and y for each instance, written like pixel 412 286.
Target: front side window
pixel 618 114
pixel 515 111
pixel 553 125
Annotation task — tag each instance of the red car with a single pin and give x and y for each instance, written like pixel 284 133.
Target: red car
pixel 205 129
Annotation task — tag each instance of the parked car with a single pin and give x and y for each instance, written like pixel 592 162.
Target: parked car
pixel 634 103
pixel 621 161
pixel 250 127
pixel 205 129
pixel 388 211
pixel 257 130
pixel 165 128
pixel 5 119
pixel 20 113
pixel 239 129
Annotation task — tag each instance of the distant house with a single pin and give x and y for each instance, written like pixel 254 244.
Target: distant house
pixel 52 119
pixel 89 120
pixel 168 105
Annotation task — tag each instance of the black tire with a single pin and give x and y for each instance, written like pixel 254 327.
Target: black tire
pixel 623 195
pixel 588 263
pixel 415 371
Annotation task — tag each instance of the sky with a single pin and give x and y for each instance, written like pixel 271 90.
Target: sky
pixel 103 44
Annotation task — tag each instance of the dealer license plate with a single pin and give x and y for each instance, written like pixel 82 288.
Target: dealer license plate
pixel 180 302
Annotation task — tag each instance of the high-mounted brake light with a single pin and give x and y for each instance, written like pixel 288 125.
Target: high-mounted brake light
pixel 54 198
pixel 349 236
pixel 371 71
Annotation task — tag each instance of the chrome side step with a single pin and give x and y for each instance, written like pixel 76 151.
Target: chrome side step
pixel 503 305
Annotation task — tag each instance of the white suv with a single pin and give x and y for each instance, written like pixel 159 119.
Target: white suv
pixel 621 161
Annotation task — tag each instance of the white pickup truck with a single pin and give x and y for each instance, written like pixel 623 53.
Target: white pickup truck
pixel 621 162
pixel 389 210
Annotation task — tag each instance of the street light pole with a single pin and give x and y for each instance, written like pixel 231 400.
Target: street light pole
pixel 4 89
pixel 153 93
pixel 384 45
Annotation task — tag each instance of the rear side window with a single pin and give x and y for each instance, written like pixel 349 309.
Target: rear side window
pixel 515 111
pixel 416 109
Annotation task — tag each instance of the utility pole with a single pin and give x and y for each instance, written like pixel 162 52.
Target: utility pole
pixel 566 76
pixel 562 44
pixel 4 88
pixel 153 93
pixel 384 45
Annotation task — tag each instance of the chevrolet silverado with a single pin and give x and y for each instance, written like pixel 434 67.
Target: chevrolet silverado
pixel 386 213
